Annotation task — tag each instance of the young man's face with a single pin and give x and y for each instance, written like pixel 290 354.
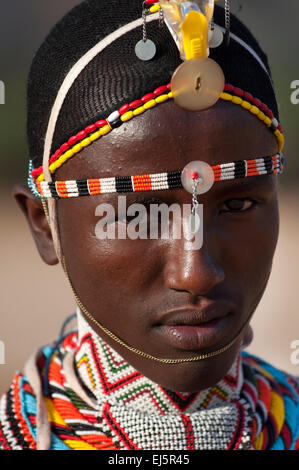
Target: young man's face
pixel 130 286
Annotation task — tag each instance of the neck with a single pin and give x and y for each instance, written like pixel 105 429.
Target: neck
pixel 109 378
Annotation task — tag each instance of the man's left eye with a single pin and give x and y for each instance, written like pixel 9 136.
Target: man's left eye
pixel 238 205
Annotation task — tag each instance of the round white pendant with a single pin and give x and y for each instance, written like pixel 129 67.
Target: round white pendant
pixel 145 50
pixel 216 38
pixel 202 170
pixel 197 84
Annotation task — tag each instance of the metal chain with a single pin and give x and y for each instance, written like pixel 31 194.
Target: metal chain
pixel 137 351
pixel 161 16
pixel 144 13
pixel 194 195
pixel 227 22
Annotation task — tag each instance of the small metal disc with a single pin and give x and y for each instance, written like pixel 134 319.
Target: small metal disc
pixel 204 171
pixel 216 38
pixel 197 84
pixel 145 50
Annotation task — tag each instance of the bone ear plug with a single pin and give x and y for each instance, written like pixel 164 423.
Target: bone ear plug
pixel 199 81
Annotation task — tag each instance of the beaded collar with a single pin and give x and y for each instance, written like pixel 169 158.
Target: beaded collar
pixel 93 403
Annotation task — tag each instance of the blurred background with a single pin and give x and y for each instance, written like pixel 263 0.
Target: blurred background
pixel 36 298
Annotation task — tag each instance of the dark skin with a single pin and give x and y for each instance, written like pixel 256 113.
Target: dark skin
pixel 127 284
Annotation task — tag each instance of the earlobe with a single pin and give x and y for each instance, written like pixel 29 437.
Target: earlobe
pixel 32 208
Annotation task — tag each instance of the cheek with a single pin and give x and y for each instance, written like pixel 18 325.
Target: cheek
pixel 248 245
pixel 107 269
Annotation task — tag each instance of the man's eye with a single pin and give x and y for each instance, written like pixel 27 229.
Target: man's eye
pixel 238 205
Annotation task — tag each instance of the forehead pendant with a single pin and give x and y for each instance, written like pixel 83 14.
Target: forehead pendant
pixel 197 178
pixel 199 81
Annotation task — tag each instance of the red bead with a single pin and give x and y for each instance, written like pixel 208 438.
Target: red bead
pixel 160 90
pixel 248 96
pixel 81 135
pixel 194 175
pixel 91 128
pixel 72 140
pixel 150 2
pixel 124 109
pixel 135 104
pixel 148 97
pixel 169 86
pixel 279 128
pixel 228 87
pixel 53 158
pixel 256 102
pixel 264 108
pixel 238 92
pixel 101 123
pixel 270 114
pixel 64 148
pixel 36 172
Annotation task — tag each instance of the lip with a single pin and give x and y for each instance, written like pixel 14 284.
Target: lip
pixel 193 328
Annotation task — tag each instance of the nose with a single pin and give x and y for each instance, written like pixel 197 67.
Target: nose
pixel 193 271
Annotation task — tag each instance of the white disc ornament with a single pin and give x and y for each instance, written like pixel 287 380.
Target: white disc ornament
pixel 216 38
pixel 197 84
pixel 201 170
pixel 145 50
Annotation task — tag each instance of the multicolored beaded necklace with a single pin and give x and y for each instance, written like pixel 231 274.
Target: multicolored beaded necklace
pixel 95 400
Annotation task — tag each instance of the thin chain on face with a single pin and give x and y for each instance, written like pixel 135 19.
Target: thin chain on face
pixel 137 351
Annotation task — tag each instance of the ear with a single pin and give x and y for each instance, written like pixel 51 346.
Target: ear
pixel 32 208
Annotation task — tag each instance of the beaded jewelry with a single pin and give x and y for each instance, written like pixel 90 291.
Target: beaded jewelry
pixel 255 406
pixel 162 94
pixel 155 182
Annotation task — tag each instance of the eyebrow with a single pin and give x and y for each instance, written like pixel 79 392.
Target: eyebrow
pixel 257 183
pixel 240 185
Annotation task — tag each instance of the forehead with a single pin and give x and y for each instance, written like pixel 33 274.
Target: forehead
pixel 166 138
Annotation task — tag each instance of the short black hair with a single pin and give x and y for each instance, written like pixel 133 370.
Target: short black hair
pixel 116 76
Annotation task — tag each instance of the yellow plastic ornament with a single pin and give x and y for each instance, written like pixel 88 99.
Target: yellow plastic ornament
pixel 197 83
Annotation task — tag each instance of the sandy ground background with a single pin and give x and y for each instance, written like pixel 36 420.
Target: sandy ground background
pixel 35 298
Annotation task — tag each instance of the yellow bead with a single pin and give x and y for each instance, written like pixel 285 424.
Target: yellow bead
pixel 127 116
pixel 105 130
pixel 161 98
pixel 267 121
pixel 95 136
pixel 77 148
pixel 68 154
pixel 261 115
pixel 170 94
pixel 226 96
pixel 237 100
pixel 150 104
pixel 138 111
pixel 86 142
pixel 246 105
pixel 40 177
pixel 254 110
pixel 154 9
pixel 54 166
